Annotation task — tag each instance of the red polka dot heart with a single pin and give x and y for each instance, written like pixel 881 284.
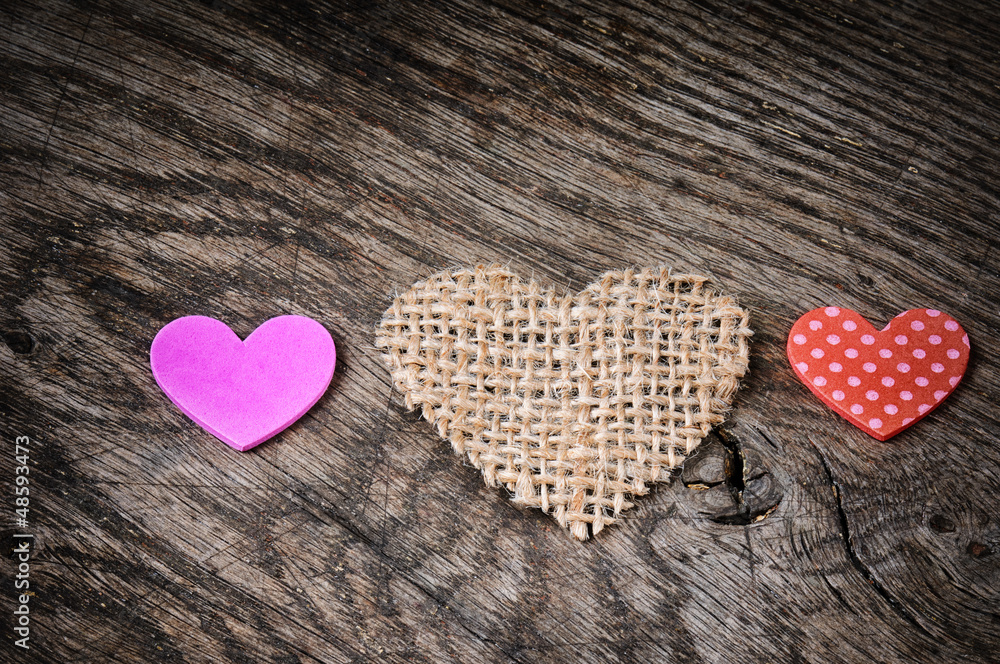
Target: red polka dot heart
pixel 881 382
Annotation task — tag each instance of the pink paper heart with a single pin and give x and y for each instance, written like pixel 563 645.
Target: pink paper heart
pixel 881 381
pixel 243 392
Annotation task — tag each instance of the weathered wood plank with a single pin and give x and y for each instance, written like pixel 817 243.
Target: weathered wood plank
pixel 244 160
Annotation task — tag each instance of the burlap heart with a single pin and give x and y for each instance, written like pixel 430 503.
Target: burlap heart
pixel 574 403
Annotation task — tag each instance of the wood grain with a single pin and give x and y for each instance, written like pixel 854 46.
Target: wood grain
pixel 244 160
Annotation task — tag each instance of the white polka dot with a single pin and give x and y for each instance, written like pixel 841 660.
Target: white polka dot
pixel 837 395
pixel 902 367
pixel 905 396
pixel 833 340
pixel 875 423
pixel 891 409
pixel 832 311
pixel 937 367
pixel 953 354
pixel 869 367
pixel 802 366
pixel 901 339
pixel 921 381
pixel 817 353
pixel 888 382
pixel 885 352
pixel 851 353
pixel 799 339
pixel 950 325
pixel 867 340
pixel 965 340
pixel 916 325
pixel 835 367
pixel 933 313
pixel 940 394
pixel 857 409
pixel 923 408
pixel 954 380
pixel 853 381
pixel 819 381
pixel 815 325
pixel 907 421
pixel 934 339
pixel 871 395
pixel 850 325
pixel 919 353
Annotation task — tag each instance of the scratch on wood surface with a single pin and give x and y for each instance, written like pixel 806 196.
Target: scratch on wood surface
pixel 849 141
pixel 781 129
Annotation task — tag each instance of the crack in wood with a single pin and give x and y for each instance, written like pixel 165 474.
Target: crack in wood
pixel 733 470
pixel 852 554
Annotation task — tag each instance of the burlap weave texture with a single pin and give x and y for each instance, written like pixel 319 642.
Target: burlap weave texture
pixel 573 403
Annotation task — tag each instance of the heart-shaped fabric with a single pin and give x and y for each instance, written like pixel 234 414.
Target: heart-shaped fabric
pixel 243 392
pixel 574 403
pixel 880 381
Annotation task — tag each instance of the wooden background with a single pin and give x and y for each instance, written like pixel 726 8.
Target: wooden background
pixel 243 159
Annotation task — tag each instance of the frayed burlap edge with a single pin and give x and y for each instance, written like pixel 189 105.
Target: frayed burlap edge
pixel 573 403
